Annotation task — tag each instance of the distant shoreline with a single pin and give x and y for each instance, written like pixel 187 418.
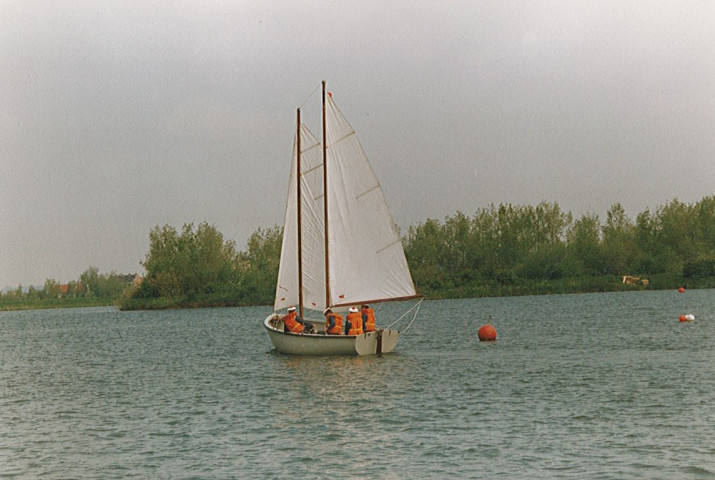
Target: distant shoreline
pixel 49 304
pixel 552 287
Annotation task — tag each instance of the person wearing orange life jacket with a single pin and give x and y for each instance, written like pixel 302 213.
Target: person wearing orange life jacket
pixel 292 322
pixel 368 318
pixel 353 323
pixel 333 322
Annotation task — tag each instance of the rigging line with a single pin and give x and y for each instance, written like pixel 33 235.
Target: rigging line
pixel 311 94
pixel 419 304
pixel 416 306
pixel 401 317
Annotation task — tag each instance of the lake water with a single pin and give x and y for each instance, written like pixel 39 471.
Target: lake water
pixel 597 386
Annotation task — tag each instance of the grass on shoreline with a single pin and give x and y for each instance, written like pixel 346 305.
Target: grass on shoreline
pixel 51 303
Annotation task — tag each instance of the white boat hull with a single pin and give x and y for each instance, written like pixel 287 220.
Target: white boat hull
pixel 380 341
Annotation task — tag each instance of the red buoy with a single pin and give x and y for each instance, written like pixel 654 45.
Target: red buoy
pixel 487 333
pixel 682 318
pixel 681 290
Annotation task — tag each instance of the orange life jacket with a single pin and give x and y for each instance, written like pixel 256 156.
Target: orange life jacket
pixel 370 322
pixel 292 324
pixel 355 320
pixel 338 328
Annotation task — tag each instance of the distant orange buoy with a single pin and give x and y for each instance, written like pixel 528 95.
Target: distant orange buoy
pixel 487 333
pixel 682 318
pixel 681 290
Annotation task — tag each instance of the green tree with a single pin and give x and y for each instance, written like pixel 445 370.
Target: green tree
pixel 258 265
pixel 456 234
pixel 33 293
pixel 484 240
pixel 618 248
pixel 424 249
pixel 90 279
pixel 705 225
pixel 51 287
pixel 510 245
pixel 196 261
pixel 678 231
pixel 655 257
pixel 583 240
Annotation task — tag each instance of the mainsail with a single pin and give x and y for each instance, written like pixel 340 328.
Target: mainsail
pixel 366 259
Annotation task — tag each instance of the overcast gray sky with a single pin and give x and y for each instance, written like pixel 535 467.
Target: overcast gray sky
pixel 116 116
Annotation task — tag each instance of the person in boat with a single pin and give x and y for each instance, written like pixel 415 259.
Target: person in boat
pixel 353 322
pixel 293 323
pixel 333 322
pixel 368 318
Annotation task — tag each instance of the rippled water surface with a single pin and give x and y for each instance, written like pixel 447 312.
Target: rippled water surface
pixel 606 386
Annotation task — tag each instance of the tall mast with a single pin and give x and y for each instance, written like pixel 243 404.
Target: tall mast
pixel 325 205
pixel 300 222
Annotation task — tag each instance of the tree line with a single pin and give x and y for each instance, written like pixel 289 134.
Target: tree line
pixel 509 249
pixel 499 250
pixel 91 288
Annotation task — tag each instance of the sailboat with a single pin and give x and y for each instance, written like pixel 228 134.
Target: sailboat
pixel 341 249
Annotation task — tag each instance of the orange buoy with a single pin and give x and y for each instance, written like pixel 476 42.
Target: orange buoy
pixel 487 333
pixel 682 318
pixel 681 290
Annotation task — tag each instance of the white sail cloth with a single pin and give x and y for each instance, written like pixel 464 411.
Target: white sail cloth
pixel 312 232
pixel 366 259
